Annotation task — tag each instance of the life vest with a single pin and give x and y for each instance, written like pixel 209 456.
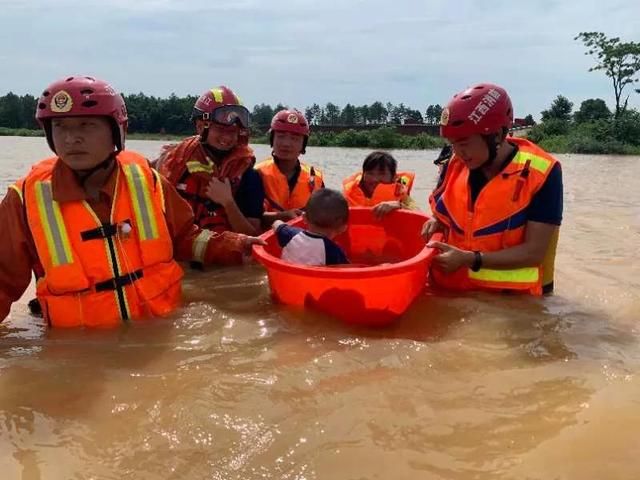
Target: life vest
pixel 399 190
pixel 95 274
pixel 188 167
pixel 496 221
pixel 278 197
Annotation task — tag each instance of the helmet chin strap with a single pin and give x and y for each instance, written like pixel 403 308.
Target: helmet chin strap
pixel 84 175
pixel 492 145
pixel 205 133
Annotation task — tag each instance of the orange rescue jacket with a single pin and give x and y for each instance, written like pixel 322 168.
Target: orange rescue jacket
pixel 398 190
pixel 278 197
pixel 497 220
pixel 95 274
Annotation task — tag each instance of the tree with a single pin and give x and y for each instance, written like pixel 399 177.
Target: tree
pixel 591 110
pixel 560 109
pixel 620 61
pixel 428 115
pixel 528 120
pixel 348 115
pixel 377 113
pixel 313 114
pixel 332 113
pixel 11 111
pixel 262 115
pixel 363 115
pixel 437 113
pixel 413 116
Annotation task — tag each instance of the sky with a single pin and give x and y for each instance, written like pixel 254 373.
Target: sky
pixel 298 52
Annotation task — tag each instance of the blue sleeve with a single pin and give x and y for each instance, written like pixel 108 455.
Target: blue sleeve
pixel 250 194
pixel 334 254
pixel 547 204
pixel 285 233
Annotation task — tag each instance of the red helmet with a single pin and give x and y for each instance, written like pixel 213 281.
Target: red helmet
pixel 291 121
pixel 481 109
pixel 222 106
pixel 82 96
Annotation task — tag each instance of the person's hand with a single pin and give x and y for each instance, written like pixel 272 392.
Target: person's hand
pixel 219 191
pixel 430 227
pixel 290 214
pixel 451 258
pixel 248 243
pixel 383 208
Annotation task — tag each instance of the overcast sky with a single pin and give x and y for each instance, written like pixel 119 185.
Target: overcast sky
pixel 302 51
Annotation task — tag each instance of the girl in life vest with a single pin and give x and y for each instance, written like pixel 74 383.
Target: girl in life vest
pixel 380 186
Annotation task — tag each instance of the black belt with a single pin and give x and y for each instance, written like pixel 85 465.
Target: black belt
pixel 119 282
pixel 106 230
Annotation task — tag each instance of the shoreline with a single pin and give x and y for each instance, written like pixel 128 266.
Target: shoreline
pixel 394 142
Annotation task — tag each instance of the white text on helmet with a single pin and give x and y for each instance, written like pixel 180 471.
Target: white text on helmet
pixel 484 105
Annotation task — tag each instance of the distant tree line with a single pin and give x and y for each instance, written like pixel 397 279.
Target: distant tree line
pixel 150 114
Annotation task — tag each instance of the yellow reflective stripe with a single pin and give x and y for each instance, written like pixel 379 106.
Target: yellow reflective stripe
pixel 55 230
pixel 159 182
pixel 197 167
pixel 518 275
pixel 200 245
pixel 142 203
pixel 217 94
pixel 537 163
pixel 18 190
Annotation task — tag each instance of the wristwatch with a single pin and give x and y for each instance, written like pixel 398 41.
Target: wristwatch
pixel 477 261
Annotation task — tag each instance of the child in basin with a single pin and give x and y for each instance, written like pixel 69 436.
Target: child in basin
pixel 326 214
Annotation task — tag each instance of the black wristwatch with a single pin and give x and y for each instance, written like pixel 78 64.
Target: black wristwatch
pixel 477 261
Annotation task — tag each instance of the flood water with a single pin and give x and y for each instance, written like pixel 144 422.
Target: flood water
pixel 233 386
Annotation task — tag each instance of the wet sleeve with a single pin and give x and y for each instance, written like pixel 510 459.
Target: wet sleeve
pixel 547 204
pixel 17 252
pixel 284 234
pixel 191 243
pixel 250 194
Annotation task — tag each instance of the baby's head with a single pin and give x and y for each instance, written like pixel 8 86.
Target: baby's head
pixel 327 212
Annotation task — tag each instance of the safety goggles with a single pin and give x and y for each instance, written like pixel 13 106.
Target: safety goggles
pixel 229 115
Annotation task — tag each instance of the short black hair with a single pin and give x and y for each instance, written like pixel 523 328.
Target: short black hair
pixel 327 208
pixel 380 161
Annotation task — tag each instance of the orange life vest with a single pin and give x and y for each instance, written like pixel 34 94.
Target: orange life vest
pixel 496 221
pixel 188 167
pixel 278 197
pixel 98 275
pixel 399 189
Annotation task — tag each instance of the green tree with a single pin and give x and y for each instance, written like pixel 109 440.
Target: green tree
pixel 529 120
pixel 11 111
pixel 560 109
pixel 363 115
pixel 620 61
pixel 348 115
pixel 437 113
pixel 313 114
pixel 413 116
pixel 377 113
pixel 332 113
pixel 591 110
pixel 262 115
